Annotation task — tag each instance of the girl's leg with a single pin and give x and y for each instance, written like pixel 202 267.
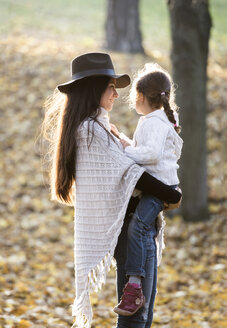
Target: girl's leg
pixel 120 257
pixel 153 295
pixel 142 318
pixel 136 248
pixel 120 250
pixel 142 222
pixel 140 227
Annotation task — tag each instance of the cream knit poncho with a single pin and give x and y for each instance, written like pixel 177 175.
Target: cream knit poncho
pixel 105 180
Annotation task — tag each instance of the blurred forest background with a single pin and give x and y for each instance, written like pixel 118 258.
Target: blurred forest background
pixel 38 41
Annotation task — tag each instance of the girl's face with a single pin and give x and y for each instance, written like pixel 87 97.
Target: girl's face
pixel 109 95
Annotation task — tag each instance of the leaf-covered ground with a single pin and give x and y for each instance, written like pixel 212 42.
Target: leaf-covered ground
pixel 36 238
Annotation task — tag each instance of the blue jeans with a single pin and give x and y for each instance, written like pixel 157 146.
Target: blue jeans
pixel 141 227
pixel 142 318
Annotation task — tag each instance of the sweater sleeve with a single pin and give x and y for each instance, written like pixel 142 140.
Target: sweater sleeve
pixel 124 137
pixel 150 149
pixel 152 186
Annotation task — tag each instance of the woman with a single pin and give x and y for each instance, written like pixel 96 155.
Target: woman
pixel 88 156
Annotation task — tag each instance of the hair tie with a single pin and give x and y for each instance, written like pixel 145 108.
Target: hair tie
pixel 163 93
pixel 175 125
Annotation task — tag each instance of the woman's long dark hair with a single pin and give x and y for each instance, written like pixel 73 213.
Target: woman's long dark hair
pixel 64 114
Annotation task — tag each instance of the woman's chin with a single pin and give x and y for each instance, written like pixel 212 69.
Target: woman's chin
pixel 109 108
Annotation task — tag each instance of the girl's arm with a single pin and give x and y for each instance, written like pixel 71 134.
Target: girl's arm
pixel 123 137
pixel 150 185
pixel 151 143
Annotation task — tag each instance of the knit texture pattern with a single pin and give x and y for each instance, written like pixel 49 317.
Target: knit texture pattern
pixel 157 146
pixel 105 180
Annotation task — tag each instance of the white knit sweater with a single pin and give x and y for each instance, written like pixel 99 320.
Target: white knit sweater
pixel 157 146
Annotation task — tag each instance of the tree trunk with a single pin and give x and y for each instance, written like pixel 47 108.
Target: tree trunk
pixel 123 26
pixel 190 28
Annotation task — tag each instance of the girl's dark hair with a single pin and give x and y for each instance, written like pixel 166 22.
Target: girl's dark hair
pixel 65 112
pixel 156 84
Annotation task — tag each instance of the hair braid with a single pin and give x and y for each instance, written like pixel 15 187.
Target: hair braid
pixel 168 110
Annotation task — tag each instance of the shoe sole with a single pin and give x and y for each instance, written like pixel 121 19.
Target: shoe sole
pixel 127 313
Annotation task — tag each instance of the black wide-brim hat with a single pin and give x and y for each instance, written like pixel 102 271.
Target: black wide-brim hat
pixel 93 64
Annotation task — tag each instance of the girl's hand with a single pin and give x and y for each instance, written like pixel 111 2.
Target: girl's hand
pixel 168 207
pixel 114 130
pixel 124 143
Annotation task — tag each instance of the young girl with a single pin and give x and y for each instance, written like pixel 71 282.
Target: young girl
pixel 156 146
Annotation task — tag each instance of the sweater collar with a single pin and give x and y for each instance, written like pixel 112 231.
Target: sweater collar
pixel 158 113
pixel 103 113
pixel 103 118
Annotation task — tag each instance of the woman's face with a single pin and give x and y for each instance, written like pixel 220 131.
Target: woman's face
pixel 109 95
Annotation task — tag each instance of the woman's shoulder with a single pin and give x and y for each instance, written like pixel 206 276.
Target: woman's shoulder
pixel 84 124
pixel 90 126
pixel 102 142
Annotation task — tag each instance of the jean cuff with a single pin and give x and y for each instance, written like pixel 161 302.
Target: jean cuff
pixel 140 273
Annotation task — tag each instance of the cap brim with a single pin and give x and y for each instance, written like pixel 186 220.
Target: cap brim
pixel 122 81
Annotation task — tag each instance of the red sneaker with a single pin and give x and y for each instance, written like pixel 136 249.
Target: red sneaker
pixel 131 301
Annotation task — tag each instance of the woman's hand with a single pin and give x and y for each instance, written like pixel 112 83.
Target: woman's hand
pixel 116 133
pixel 124 143
pixel 114 130
pixel 168 207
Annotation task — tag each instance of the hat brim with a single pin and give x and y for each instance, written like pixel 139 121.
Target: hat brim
pixel 122 81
